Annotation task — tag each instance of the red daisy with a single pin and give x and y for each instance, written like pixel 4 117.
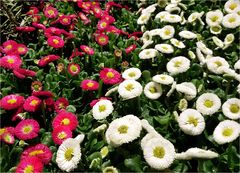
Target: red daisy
pixel 59 134
pixel 9 46
pixel 10 62
pixel 108 18
pixel 102 25
pixel 65 20
pixel 73 69
pixel 50 12
pixel 42 94
pixel 36 86
pixel 30 165
pixel 49 102
pixel 55 41
pixel 47 59
pixel 8 137
pixel 11 101
pixel 61 104
pixel 89 85
pixel 22 73
pixel 102 39
pixel 131 48
pixel 33 10
pixel 110 76
pixel 88 50
pixel 32 104
pixel 21 49
pixel 27 129
pixel 40 151
pixel 36 19
pixel 97 11
pixel 53 31
pixel 113 29
pixel 25 28
pixel 65 119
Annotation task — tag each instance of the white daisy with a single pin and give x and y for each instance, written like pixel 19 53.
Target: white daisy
pixel 229 39
pixel 187 34
pixel 173 87
pixel 170 6
pixel 232 6
pixel 203 48
pixel 163 79
pixel 208 103
pixel 148 53
pixel 216 29
pixel 155 32
pixel 177 43
pixel 159 153
pixel 173 18
pixel 149 9
pixel 110 169
pixel 214 18
pixel 146 37
pixel 197 153
pixel 231 20
pixel 143 19
pixel 167 32
pixel 178 65
pixel 238 88
pixel 187 88
pixel 164 48
pixel 100 128
pixel 231 108
pixel 132 73
pixel 175 1
pixel 191 122
pixel 194 16
pixel 150 130
pixel 102 109
pixel 200 56
pixel 123 130
pixel 69 153
pixel 226 131
pixel 183 104
pixel 110 91
pixel 153 90
pixel 237 65
pixel 162 15
pixel 214 63
pixel 129 89
pixel 146 44
pixel 218 42
pixel 191 54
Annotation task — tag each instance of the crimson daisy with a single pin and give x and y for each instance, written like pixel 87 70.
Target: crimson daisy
pixel 110 76
pixel 59 134
pixel 11 101
pixel 32 104
pixel 27 129
pixel 65 119
pixel 73 69
pixel 90 85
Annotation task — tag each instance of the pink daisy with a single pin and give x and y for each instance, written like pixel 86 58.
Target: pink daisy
pixel 11 101
pixel 60 133
pixel 131 48
pixel 61 104
pixel 33 10
pixel 102 39
pixel 32 104
pixel 42 94
pixel 65 119
pixel 49 103
pixel 113 29
pixel 21 49
pixel 23 73
pixel 108 18
pixel 50 12
pixel 65 20
pixel 53 31
pixel 47 59
pixel 88 50
pixel 8 138
pixel 25 28
pixel 55 41
pixel 27 129
pixel 110 76
pixel 73 69
pixel 40 150
pixel 9 46
pixel 102 25
pixel 10 62
pixel 89 85
pixel 36 19
pixel 6 130
pixel 30 165
pixel 97 11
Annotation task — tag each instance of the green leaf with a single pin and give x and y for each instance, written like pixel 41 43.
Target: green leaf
pixel 134 164
pixel 71 108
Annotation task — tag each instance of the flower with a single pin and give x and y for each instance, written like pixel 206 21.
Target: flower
pixel 8 137
pixel 88 50
pixel 232 6
pixel 100 128
pixel 231 108
pixel 178 65
pixel 89 85
pixel 203 48
pixel 148 53
pixel 152 90
pixel 216 29
pixel 123 130
pixel 65 119
pixel 110 169
pixel 167 32
pixel 131 48
pixel 9 46
pixel 27 129
pixel 22 73
pixel 129 89
pixel 110 76
pixel 55 41
pixel 32 104
pixel 50 12
pixel 65 20
pixel 149 9
pixel 30 164
pixel 61 133
pixel 231 20
pixel 187 34
pixel 61 104
pixel 47 59
pixel 237 65
pixel 40 151
pixel 214 64
pixel 10 62
pixel 177 43
pixel 197 153
pixel 73 69
pixel 162 15
pixel 132 73
pixel 164 48
pixel 25 28
pixel 42 94
pixel 218 42
pixel 163 79
pixel 191 122
pixel 21 49
pixel 229 39
pixel 102 25
pixel 194 16
pixel 143 19
pixel 159 153
pixel 208 103
pixel 226 132
pixel 102 39
pixel 147 36
pixel 187 88
pixel 173 18
pixel 69 154
pixel 11 101
pixel 102 109
pixel 214 18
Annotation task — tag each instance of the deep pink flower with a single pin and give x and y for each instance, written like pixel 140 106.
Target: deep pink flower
pixel 110 76
pixel 25 28
pixel 32 104
pixel 49 102
pixel 21 49
pixel 97 11
pixel 55 41
pixel 75 53
pixel 65 119
pixel 10 62
pixel 9 46
pixel 47 59
pixel 102 25
pixel 33 10
pixel 65 20
pixel 6 129
pixel 17 114
pixel 50 12
pixel 8 137
pixel 27 129
pixel 131 48
pixel 84 5
pixel 89 85
pixel 73 69
pixel 52 31
pixel 61 104
pixel 59 134
pixel 42 94
pixel 36 19
pixel 11 101
pixel 30 165
pixel 39 25
pixel 22 73
pixel 113 29
pixel 102 39
pixel 108 18
pixel 88 50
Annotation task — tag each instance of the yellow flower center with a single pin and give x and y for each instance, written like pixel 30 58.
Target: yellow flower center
pixel 34 102
pixel 129 87
pixel 208 103
pixel 234 108
pixel 231 20
pixel 148 52
pixel 143 18
pixel 214 18
pixel 102 40
pixel 68 154
pixel 165 47
pixel 65 121
pixel 159 152
pixel 110 75
pixel 102 108
pixel 131 74
pixel 55 41
pixel 163 77
pixel 167 32
pixel 65 20
pixel 9 46
pixel 74 68
pixel 12 101
pixel 21 49
pixel 28 169
pixel 177 64
pixel 90 84
pixel 7 137
pixel 153 89
pixel 103 24
pixel 193 120
pixel 227 131
pixel 233 6
pixel 46 59
pixel 10 60
pixel 216 28
pixel 50 12
pixel 36 152
pixel 218 63
pixel 62 135
pixel 3 130
pixel 27 129
pixel 123 129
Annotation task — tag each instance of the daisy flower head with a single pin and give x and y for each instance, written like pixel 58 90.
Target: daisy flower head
pixel 61 133
pixel 9 46
pixel 231 20
pixel 61 104
pixel 237 65
pixel 123 130
pixel 110 169
pixel 110 76
pixel 10 62
pixel 88 50
pixel 73 69
pixel 173 18
pixel 8 137
pixel 226 132
pixel 187 88
pixel 191 122
pixel 132 73
pixel 102 25
pixel 155 32
pixel 129 89
pixel 89 85
pixel 148 53
pixel 147 36
pixel 214 64
pixel 40 151
pixel 177 43
pixel 208 103
pixel 102 39
pixel 21 49
pixel 187 34
pixel 218 42
pixel 159 153
pixel 203 48
pixel 229 39
pixel 11 101
pixel 178 65
pixel 163 79
pixel 50 12
pixel 143 19
pixel 47 59
pixel 152 90
pixel 194 16
pixel 216 29
pixel 65 20
pixel 30 165
pixel 162 15
pixel 32 104
pixel 167 32
pixel 231 108
pixel 102 109
pixel 164 48
pixel 232 6
pixel 130 48
pixel 27 129
pixel 65 119
pixel 55 41
pixel 214 18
